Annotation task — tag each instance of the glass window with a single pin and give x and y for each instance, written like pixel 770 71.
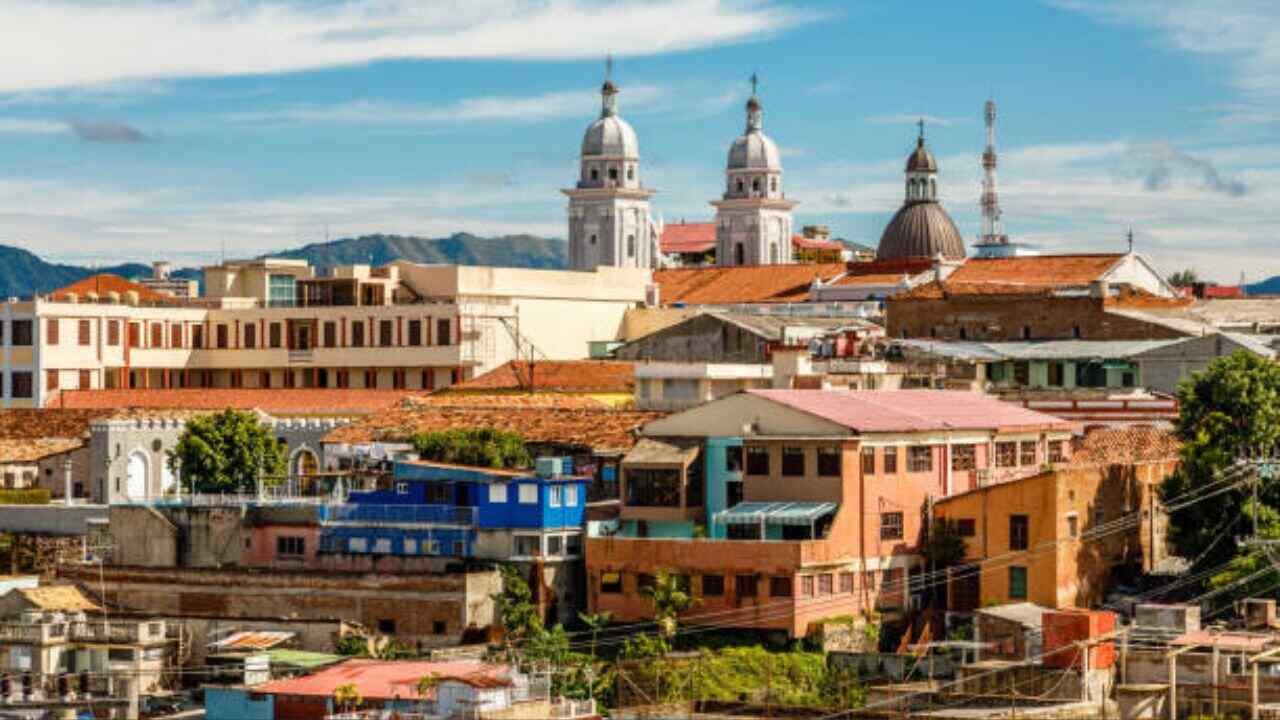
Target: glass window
pixel 793 462
pixel 555 546
pixel 382 546
pixel 733 458
pixel 1027 452
pixel 221 336
pixel 290 546
pixel 890 460
pixel 920 458
pixel 1019 532
pixel 757 460
pixel 825 584
pixel 357 334
pixel 846 582
pixel 528 494
pixel 611 582
pixel 1057 451
pixel 713 585
pixel 830 461
pixel 555 495
pixel 528 546
pixel 197 336
pixel 444 332
pixel 891 526
pixel 410 546
pixel 497 493
pixel 82 332
pixel 571 496
pixel 573 545
pixel 250 335
pixel 746 586
pixel 386 333
pixel 22 333
pixel 280 290
pixel 868 461
pixel 357 545
pixel 402 488
pixel 51 331
pixel 1017 583
pixel 780 587
pixel 331 334
pixel 653 487
pixel 415 332
pixel 966 527
pixel 1006 454
pixel 20 385
pixel 1057 374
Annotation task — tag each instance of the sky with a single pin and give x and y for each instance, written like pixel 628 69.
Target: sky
pixel 192 131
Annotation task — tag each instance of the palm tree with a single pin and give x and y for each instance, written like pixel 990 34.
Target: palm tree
pixel 595 622
pixel 347 697
pixel 670 597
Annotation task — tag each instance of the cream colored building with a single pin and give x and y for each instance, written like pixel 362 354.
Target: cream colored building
pixel 276 324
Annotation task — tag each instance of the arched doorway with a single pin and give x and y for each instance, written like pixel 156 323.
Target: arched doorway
pixel 305 466
pixel 138 473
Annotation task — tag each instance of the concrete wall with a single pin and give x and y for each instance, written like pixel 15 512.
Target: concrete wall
pixel 705 338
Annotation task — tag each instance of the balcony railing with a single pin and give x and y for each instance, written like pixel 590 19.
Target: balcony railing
pixel 45 633
pixel 360 514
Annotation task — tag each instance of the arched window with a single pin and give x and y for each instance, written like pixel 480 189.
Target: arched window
pixel 911 189
pixel 755 184
pixel 933 188
pixel 631 246
pixel 1026 332
pixel 631 172
pixel 963 334
pixel 739 255
pixel 613 173
pixel 740 186
pixel 595 174
pixel 1075 332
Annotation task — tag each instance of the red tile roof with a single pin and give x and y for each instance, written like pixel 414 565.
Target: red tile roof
pixel 104 283
pixel 560 376
pixel 913 410
pixel 31 423
pixel 327 401
pixel 32 450
pixel 746 284
pixel 805 243
pixel 1128 444
pixel 378 679
pixel 1030 274
pixel 598 428
pixel 882 272
pixel 688 237
pixel 508 400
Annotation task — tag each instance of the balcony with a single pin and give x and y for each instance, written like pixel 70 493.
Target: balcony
pixel 398 515
pixel 47 633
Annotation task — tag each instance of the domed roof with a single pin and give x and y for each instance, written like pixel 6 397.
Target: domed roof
pixel 920 230
pixel 611 136
pixel 921 160
pixel 754 151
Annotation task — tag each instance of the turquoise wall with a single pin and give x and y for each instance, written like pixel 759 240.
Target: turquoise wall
pixel 718 476
pixel 235 704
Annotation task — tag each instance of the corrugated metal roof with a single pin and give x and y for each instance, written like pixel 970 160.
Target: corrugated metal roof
pixel 913 410
pixel 252 640
pixel 775 513
pixel 1025 613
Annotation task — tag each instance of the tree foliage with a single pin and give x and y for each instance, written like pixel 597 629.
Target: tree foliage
pixel 347 696
pixel 481 447
pixel 671 596
pixel 1184 278
pixel 1228 410
pixel 226 452
pixel 516 611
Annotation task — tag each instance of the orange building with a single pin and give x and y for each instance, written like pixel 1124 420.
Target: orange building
pixel 779 508
pixel 1058 538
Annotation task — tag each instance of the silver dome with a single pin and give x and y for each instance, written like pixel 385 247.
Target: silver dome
pixel 611 136
pixel 754 151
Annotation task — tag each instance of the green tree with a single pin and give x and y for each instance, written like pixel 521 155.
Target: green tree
pixel 426 688
pixel 516 611
pixel 1184 278
pixel 944 547
pixel 226 452
pixel 480 447
pixel 1227 410
pixel 595 622
pixel 670 595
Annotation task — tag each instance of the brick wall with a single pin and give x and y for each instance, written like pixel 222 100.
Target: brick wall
pixel 1004 317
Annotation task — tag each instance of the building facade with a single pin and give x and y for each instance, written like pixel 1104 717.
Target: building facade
pixel 753 216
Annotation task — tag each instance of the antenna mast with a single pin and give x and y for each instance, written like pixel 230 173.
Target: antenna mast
pixel 990 201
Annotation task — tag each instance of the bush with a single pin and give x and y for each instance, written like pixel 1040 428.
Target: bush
pixel 30 496
pixel 479 447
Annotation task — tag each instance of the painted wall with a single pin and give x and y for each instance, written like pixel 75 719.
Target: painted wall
pixel 232 703
pixel 718 477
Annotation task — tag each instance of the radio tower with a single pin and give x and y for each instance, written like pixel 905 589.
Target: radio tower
pixel 990 202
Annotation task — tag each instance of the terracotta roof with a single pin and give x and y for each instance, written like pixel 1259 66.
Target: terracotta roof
pixel 688 237
pixel 507 400
pixel 378 679
pixel 913 410
pixel 745 284
pixel 561 376
pixel 33 423
pixel 1128 444
pixel 277 401
pixel 33 449
pixel 58 598
pixel 882 272
pixel 805 243
pixel 599 429
pixel 480 681
pixel 104 283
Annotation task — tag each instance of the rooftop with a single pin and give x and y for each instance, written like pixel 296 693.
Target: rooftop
pixel 58 598
pixel 378 679
pixel 1034 349
pixel 32 424
pixel 688 237
pixel 31 450
pixel 1024 613
pixel 744 284
pixel 1128 444
pixel 599 428
pixel 105 283
pixel 556 376
pixel 913 410
pixel 1023 274
pixel 277 401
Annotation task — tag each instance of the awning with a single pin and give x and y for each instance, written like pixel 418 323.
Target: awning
pixel 779 513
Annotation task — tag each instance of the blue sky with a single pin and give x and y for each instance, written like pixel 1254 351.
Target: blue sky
pixel 135 130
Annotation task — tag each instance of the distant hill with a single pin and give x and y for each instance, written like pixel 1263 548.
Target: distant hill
pixel 460 249
pixel 1266 287
pixel 23 273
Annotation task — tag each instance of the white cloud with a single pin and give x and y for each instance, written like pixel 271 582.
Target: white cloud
pixel 120 41
pixel 32 127
pixel 912 119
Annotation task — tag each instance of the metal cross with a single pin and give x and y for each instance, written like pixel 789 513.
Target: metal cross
pixel 608 66
pixel 754 81
pixel 920 122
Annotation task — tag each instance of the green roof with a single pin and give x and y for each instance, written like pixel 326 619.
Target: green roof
pixel 302 658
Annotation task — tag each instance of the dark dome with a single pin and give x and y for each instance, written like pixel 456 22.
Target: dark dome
pixel 921 160
pixel 920 230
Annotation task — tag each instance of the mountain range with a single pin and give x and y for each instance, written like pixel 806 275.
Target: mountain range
pixel 23 273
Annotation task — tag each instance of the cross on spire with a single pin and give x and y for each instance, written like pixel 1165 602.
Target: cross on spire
pixel 754 82
pixel 608 67
pixel 920 122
